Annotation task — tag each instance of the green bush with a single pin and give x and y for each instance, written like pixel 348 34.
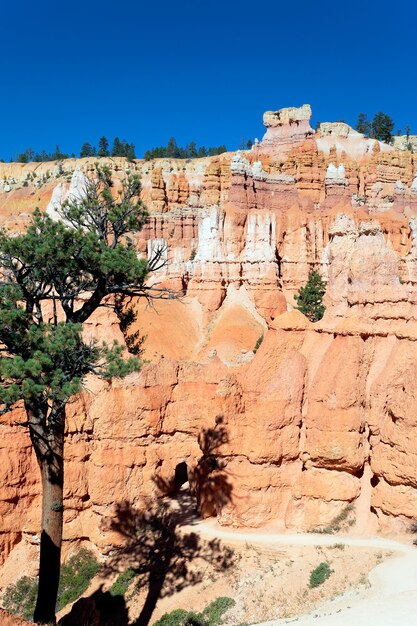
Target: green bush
pixel 123 582
pixel 320 574
pixel 76 575
pixel 175 618
pixel 20 598
pixel 213 613
pixel 210 616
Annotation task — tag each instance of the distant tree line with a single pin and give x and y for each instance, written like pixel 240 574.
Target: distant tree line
pixel 380 127
pixel 173 151
pixel 30 155
pixel 122 148
pixel 119 149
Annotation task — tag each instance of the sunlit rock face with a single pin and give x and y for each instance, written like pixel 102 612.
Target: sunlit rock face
pixel 319 416
pixel 286 128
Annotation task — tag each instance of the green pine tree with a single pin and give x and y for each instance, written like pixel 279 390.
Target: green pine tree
pixel 117 148
pixel 363 125
pixel 310 297
pixel 87 150
pixel 103 147
pixel 53 277
pixel 382 127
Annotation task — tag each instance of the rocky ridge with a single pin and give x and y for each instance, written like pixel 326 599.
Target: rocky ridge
pixel 322 416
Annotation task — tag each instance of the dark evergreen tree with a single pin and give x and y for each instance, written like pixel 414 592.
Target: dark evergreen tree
pixel 103 147
pixel 172 149
pixel 87 150
pixel 130 152
pixel 382 127
pixel 310 297
pixel 53 278
pixel 26 157
pixel 117 148
pixel 191 150
pixel 363 125
pixel 58 155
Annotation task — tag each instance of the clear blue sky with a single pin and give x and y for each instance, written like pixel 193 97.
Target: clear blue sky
pixel 203 71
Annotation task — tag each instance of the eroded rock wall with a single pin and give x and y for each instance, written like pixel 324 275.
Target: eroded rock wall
pixel 322 416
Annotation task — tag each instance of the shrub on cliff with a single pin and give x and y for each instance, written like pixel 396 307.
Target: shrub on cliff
pixel 310 297
pixel 52 279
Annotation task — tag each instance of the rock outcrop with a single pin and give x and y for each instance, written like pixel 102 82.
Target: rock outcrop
pixel 320 419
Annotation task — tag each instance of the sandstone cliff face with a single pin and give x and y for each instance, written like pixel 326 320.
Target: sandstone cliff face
pixel 323 415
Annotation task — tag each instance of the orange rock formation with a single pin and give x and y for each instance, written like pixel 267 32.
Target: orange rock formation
pixel 323 415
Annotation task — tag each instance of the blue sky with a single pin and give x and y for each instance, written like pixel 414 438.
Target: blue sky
pixel 73 71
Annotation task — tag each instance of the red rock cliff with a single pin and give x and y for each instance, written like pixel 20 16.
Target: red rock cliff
pixel 323 415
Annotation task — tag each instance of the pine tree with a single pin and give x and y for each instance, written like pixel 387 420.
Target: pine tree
pixel 382 127
pixel 44 357
pixel 87 150
pixel 103 147
pixel 172 149
pixel 191 150
pixel 117 148
pixel 310 297
pixel 130 152
pixel 363 125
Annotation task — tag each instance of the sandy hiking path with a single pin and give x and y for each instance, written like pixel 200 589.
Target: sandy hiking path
pixel 391 599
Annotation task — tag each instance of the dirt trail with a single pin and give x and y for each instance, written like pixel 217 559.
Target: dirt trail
pixel 390 601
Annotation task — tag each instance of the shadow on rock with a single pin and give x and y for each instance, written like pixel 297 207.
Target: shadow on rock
pixel 100 609
pixel 210 481
pixel 164 557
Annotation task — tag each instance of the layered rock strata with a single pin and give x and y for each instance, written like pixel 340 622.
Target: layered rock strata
pixel 319 422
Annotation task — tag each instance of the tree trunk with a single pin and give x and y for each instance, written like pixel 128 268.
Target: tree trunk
pixel 47 434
